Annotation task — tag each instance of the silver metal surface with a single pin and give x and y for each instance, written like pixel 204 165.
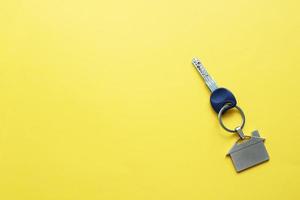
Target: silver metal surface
pixel 209 81
pixel 248 152
pixel 240 132
pixel 240 127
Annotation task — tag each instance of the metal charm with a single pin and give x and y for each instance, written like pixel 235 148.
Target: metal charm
pixel 248 152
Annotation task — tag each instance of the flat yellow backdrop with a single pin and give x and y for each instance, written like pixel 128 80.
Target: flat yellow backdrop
pixel 99 99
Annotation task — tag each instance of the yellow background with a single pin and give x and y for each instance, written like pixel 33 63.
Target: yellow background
pixel 99 99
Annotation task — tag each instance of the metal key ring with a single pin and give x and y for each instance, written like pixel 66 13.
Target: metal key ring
pixel 223 109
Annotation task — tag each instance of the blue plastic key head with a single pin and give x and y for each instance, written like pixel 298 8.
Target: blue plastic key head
pixel 221 97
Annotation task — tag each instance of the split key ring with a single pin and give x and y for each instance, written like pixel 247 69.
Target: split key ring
pixel 238 129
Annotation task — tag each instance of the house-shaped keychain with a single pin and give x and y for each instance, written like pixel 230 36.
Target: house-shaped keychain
pixel 248 152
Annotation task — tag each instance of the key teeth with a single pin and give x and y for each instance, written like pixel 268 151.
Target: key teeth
pixel 211 84
pixel 196 61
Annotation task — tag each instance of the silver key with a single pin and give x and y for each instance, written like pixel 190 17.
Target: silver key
pixel 209 81
pixel 248 151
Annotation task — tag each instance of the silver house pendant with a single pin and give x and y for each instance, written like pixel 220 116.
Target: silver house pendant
pixel 248 152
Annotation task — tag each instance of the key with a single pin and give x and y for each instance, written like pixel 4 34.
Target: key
pixel 219 96
pixel 248 151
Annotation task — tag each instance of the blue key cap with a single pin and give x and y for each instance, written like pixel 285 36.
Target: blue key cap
pixel 220 97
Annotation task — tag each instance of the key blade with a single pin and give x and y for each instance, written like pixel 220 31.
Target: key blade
pixel 209 81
